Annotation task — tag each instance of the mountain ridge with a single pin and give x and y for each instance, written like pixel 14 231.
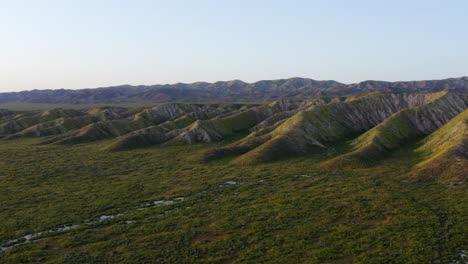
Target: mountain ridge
pixel 227 91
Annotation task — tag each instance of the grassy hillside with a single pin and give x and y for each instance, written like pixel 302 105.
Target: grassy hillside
pixel 404 127
pixel 323 126
pixel 444 154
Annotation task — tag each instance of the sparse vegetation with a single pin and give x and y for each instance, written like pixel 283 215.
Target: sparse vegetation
pixel 179 185
pixel 269 215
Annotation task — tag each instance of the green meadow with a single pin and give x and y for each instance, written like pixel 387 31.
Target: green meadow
pixel 289 211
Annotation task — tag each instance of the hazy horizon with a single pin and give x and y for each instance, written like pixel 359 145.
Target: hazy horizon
pixel 54 44
pixel 346 83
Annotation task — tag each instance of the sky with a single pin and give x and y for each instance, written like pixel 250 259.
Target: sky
pixel 71 44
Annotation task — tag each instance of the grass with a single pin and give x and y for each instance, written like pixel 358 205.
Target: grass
pixel 271 215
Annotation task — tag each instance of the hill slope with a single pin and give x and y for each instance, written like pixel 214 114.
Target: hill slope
pixel 320 127
pixel 444 154
pixel 355 131
pixel 402 128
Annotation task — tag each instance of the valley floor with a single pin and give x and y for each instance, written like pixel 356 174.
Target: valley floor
pixel 160 205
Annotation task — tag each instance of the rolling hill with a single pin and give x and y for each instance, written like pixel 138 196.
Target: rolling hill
pixel 364 128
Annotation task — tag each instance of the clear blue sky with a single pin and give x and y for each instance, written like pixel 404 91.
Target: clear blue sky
pixel 49 44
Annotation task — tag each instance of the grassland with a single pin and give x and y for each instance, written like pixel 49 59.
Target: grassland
pixel 288 211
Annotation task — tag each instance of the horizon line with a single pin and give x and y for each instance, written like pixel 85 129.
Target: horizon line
pixel 233 80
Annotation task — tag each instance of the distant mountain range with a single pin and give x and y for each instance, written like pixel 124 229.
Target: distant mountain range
pixel 230 91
